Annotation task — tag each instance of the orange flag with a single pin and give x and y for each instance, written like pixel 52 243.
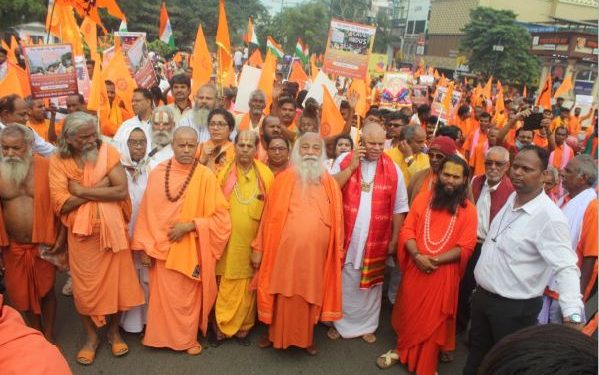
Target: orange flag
pixel 447 99
pixel 118 72
pixel 544 98
pixel 565 87
pixel 14 45
pixel 487 88
pixel 267 78
pixel 255 59
pixel 298 74
pixel 436 74
pixel 331 121
pixel 442 81
pixel 524 92
pixel 223 41
pixel 313 67
pixel 89 31
pixel 10 55
pixel 359 86
pixel 200 62
pixel 23 78
pixel 98 98
pixel 10 84
pixel 475 99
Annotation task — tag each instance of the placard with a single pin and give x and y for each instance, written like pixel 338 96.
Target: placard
pixel 51 70
pixel 437 106
pixel 348 49
pixel 395 91
pixel 248 82
pixel 135 51
pixel 420 94
pixel 377 64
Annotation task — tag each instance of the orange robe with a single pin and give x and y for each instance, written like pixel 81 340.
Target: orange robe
pixel 477 152
pixel 465 126
pixel 558 155
pixel 117 115
pixel 587 245
pixel 540 141
pixel 24 350
pixel 41 127
pixel 217 162
pixel 299 282
pixel 424 314
pixel 28 277
pixel 183 280
pixel 104 277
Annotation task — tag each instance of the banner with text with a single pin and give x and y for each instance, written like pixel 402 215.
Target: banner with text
pixel 348 49
pixel 136 52
pixel 51 70
pixel 437 106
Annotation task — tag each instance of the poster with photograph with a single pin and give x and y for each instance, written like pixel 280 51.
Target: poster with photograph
pixel 395 91
pixel 84 81
pixel 377 64
pixel 437 106
pixel 348 49
pixel 51 70
pixel 420 94
pixel 135 51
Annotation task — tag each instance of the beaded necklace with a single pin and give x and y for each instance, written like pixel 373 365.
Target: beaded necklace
pixel 438 245
pixel 243 200
pixel 187 180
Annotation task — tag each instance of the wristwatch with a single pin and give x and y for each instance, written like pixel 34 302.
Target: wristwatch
pixel 409 160
pixel 575 318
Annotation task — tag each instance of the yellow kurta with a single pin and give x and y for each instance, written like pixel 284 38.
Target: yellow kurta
pixel 235 308
pixel 420 162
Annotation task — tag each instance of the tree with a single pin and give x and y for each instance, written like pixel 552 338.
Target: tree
pixel 489 27
pixel 15 12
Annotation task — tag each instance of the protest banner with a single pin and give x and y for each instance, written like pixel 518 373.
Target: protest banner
pixel 437 106
pixel 420 94
pixel 248 82
pixel 51 70
pixel 348 49
pixel 396 90
pixel 84 82
pixel 134 49
pixel 377 64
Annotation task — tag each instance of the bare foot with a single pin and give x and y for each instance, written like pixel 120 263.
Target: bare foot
pixel 264 342
pixel 312 350
pixel 369 338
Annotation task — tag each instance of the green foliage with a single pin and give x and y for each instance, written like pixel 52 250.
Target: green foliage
pixel 163 49
pixel 15 12
pixel 489 27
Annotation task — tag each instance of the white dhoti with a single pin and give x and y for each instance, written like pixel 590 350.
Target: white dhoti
pixel 134 320
pixel 361 307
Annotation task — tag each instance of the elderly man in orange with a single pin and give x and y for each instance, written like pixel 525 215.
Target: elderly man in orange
pixel 28 226
pixel 88 188
pixel 183 226
pixel 299 249
pixel 218 151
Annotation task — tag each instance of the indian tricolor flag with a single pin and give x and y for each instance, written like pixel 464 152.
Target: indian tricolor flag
pixel 165 32
pixel 301 51
pixel 274 47
pixel 250 37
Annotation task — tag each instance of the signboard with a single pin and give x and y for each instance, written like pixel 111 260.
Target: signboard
pixel 316 88
pixel 377 64
pixel 348 49
pixel 395 92
pixel 136 53
pixel 437 106
pixel 51 70
pixel 420 94
pixel 84 81
pixel 586 45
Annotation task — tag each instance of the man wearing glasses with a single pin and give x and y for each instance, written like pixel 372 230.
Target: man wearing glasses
pixel 490 191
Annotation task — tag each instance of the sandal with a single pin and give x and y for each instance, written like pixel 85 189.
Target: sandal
pixel 264 342
pixel 119 349
pixel 369 338
pixel 86 356
pixel 333 334
pixel 195 350
pixel 387 360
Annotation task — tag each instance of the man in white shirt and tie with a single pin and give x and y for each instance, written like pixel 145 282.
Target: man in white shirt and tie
pixel 528 241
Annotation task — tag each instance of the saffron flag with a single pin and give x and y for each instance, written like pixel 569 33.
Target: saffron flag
pixel 274 47
pixel 544 98
pixel 250 36
pixel 300 51
pixel 313 67
pixel 331 121
pixel 10 84
pixel 267 78
pixel 223 41
pixel 10 55
pixel 524 92
pixel 23 77
pixel 200 62
pixel 298 74
pixel 118 72
pixel 90 35
pixel 165 32
pixel 358 86
pixel 255 59
pixel 487 88
pixel 98 97
pixel 565 87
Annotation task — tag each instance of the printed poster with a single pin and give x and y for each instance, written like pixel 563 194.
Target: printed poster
pixel 395 91
pixel 348 49
pixel 377 64
pixel 437 106
pixel 51 70
pixel 420 94
pixel 135 51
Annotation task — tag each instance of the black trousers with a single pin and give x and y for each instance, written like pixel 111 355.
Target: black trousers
pixel 467 286
pixel 492 318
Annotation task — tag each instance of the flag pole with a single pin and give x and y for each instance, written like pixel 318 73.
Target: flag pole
pixel 51 17
pixel 438 119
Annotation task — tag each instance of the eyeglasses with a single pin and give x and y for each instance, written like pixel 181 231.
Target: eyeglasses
pixel 435 156
pixel 278 149
pixel 218 124
pixel 490 163
pixel 135 143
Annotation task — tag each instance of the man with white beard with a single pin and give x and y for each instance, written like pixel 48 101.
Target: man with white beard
pixel 197 118
pixel 27 227
pixel 163 126
pixel 298 249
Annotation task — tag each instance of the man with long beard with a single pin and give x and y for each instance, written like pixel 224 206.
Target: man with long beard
pixel 27 227
pixel 88 186
pixel 197 118
pixel 435 244
pixel 163 126
pixel 183 227
pixel 299 249
pixel 374 206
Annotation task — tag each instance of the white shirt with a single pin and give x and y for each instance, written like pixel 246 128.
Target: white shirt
pixel 132 123
pixel 202 130
pixel 359 235
pixel 164 154
pixel 238 58
pixel 522 250
pixel 40 145
pixel 483 209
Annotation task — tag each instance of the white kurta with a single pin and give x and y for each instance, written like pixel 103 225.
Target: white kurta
pixel 362 307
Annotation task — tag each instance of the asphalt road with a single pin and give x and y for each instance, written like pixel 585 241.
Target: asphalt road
pixel 335 357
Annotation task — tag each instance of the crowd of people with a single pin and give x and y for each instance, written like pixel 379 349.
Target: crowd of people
pixel 186 217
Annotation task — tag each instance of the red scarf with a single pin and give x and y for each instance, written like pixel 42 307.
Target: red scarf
pixel 381 217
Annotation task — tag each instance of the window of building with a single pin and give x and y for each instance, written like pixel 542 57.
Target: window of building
pixel 419 27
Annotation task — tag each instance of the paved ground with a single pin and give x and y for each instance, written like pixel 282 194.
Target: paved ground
pixel 335 357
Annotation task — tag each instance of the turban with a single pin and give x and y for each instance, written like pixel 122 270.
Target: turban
pixel 444 144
